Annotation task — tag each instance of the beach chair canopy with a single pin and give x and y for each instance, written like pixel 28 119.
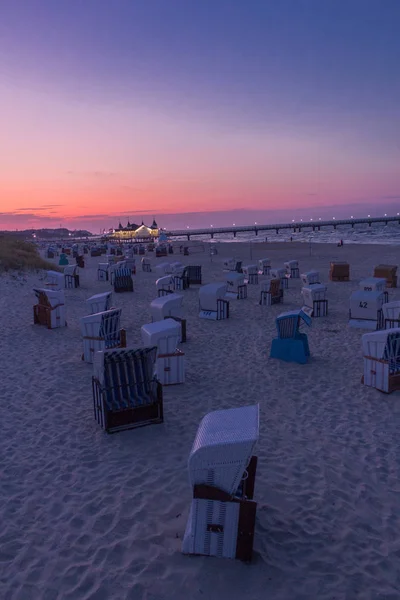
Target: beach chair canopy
pixel 166 306
pixel 104 325
pixel 223 447
pixel 50 297
pixel 371 284
pixel 210 293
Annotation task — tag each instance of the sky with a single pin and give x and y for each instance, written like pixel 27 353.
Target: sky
pixel 197 112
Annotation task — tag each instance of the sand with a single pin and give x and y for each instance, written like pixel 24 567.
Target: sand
pixel 86 515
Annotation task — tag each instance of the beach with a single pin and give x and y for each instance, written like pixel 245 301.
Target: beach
pixel 89 516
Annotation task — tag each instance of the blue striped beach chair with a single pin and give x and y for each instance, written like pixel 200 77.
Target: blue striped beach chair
pixel 123 281
pixel 126 394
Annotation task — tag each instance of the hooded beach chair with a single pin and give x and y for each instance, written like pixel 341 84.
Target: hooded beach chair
pixel 292 269
pixel 389 273
pixel 339 271
pixel 391 314
pixel 169 306
pixel 63 260
pixel 233 264
pixel 310 278
pixel 165 285
pixel 146 264
pixel 280 273
pixel 50 308
pixel 55 280
pixel 264 266
pixel 170 364
pixel 99 303
pixel 374 284
pixel 236 287
pixel 366 310
pixel 250 273
pixel 291 345
pixel 213 302
pixel 222 472
pixel 103 272
pixel 101 331
pixel 314 298
pixel 123 281
pixel 162 269
pixel 271 292
pixel 126 393
pixel 130 263
pixel 71 274
pixel 194 274
pixel 381 350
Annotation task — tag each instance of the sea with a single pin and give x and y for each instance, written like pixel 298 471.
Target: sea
pixel 378 233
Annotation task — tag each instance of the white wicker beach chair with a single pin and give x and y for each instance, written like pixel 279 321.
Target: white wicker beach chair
pixel 381 351
pixel 165 285
pixel 170 365
pixel 99 303
pixel 101 331
pixel 280 273
pixel 55 280
pixel 366 310
pixel 292 269
pixel 310 278
pixel 232 264
pixel 50 308
pixel 71 275
pixel 222 472
pixel 103 271
pixel 236 286
pixel 391 314
pixel 250 273
pixel 213 302
pixel 163 269
pixel 314 298
pixel 264 266
pixel 146 264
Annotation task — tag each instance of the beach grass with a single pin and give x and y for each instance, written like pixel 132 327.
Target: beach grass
pixel 20 255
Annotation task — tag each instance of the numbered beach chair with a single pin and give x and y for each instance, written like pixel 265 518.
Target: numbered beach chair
pixel 280 274
pixel 391 314
pixel 314 299
pixel 310 278
pixel 170 363
pixel 55 280
pixel 165 285
pixel 271 292
pixel 146 264
pixel 126 393
pixel 366 310
pixel 381 350
pixel 123 281
pixel 213 303
pixel 374 284
pixel 264 266
pixel 291 345
pixel 236 287
pixel 101 331
pixel 222 472
pixel 50 308
pixel 292 269
pixel 71 275
pixel 169 307
pixel 99 303
pixel 250 273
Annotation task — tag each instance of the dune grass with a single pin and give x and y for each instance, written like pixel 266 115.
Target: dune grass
pixel 22 256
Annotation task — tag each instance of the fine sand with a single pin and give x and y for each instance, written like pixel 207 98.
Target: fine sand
pixel 86 515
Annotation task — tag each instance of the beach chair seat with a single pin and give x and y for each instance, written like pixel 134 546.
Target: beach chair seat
pixel 264 266
pixel 170 363
pixel 99 303
pixel 314 298
pixel 101 331
pixel 381 356
pixel 213 302
pixel 50 308
pixel 71 275
pixel 250 273
pixel 123 281
pixel 366 310
pixel 291 345
pixel 271 292
pixel 222 471
pixel 126 394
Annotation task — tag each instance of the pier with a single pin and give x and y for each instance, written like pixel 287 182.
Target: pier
pixel 295 226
